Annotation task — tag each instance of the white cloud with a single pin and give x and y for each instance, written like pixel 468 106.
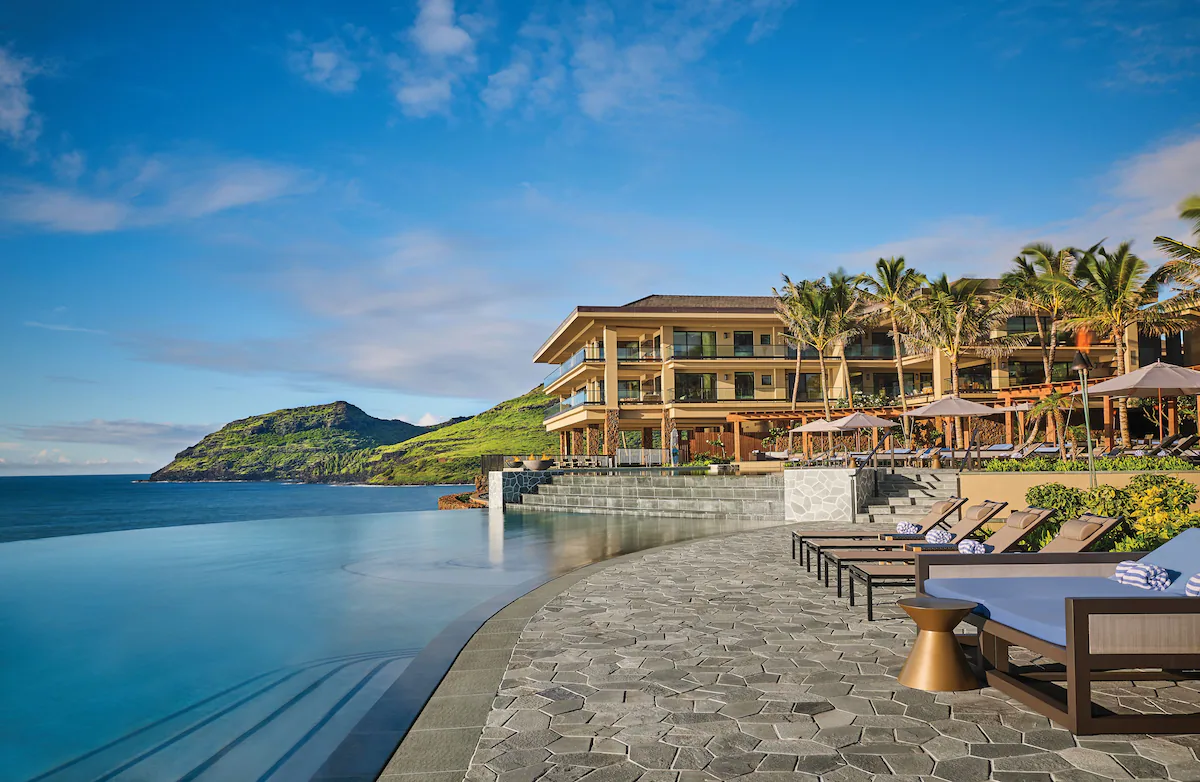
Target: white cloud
pixel 122 432
pixel 504 86
pixel 436 32
pixel 443 54
pixel 33 324
pixel 69 165
pixel 18 121
pixel 335 64
pixel 143 192
pixel 1138 200
pixel 429 419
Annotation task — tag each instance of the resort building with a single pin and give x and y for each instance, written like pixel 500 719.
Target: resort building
pixel 630 375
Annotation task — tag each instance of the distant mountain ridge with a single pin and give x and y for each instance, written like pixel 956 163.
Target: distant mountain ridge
pixel 339 443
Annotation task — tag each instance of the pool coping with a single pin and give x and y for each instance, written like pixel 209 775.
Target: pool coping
pixel 437 742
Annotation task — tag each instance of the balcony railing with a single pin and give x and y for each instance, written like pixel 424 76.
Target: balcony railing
pixel 578 399
pixel 648 353
pixel 719 395
pixel 641 398
pixel 732 351
pixel 590 353
pixel 872 351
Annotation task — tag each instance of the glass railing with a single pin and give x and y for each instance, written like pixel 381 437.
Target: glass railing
pixel 642 398
pixel 578 399
pixel 731 351
pixel 647 353
pixel 590 353
pixel 871 351
pixel 717 395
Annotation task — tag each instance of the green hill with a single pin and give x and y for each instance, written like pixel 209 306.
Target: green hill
pixel 339 443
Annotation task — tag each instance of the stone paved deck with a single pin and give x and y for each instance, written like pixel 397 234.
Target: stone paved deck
pixel 721 659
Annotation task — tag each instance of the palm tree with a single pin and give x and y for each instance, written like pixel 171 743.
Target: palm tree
pixel 953 319
pixel 1114 291
pixel 1030 292
pixel 1183 268
pixel 892 289
pixel 788 304
pixel 816 316
pixel 847 313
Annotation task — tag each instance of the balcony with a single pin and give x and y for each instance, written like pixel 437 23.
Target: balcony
pixel 576 400
pixel 711 395
pixel 639 353
pixel 728 351
pixel 590 353
pixel 880 352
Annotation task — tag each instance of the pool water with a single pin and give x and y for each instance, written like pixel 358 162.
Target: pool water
pixel 248 650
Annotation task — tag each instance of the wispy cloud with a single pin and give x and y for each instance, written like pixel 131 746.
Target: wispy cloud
pixel 33 324
pixel 70 166
pixel 336 63
pixel 142 192
pixel 1137 201
pixel 123 432
pixel 19 123
pixel 441 53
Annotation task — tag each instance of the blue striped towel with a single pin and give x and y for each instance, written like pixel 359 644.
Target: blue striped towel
pixel 969 546
pixel 1192 589
pixel 1142 575
pixel 939 536
pixel 908 528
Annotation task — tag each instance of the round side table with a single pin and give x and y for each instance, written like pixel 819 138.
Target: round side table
pixel 937 662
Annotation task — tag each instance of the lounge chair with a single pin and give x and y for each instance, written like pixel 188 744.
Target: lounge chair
pixel 1180 446
pixel 937 515
pixel 829 551
pixel 1073 537
pixel 1064 608
pixel 1017 528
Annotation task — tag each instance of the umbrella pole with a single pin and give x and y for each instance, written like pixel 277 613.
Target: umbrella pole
pixel 1160 412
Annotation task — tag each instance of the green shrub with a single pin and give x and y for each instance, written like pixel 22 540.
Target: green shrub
pixel 1067 503
pixel 1105 500
pixel 1177 495
pixel 1115 464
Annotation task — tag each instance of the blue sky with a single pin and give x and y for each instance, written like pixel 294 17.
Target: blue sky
pixel 214 210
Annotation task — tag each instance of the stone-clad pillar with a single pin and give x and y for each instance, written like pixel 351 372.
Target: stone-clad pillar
pixel 562 443
pixel 612 431
pixel 593 440
pixel 577 446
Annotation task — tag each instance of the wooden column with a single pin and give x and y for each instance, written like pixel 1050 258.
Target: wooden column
pixel 1021 425
pixel 1008 427
pixel 737 440
pixel 1172 417
pixel 562 443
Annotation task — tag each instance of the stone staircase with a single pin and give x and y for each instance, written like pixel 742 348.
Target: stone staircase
pixel 907 494
pixel 734 497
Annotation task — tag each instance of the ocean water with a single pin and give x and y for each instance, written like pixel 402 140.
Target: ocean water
pixel 213 649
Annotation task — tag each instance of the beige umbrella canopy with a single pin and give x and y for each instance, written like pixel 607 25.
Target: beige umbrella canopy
pixel 863 421
pixel 1157 379
pixel 819 425
pixel 952 406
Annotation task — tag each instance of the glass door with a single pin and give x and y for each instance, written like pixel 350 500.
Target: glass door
pixel 743 344
pixel 743 385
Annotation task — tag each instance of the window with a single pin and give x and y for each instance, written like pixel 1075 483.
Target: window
pixel 695 387
pixel 810 386
pixel 764 339
pixel 1021 324
pixel 975 378
pixel 695 344
pixel 629 389
pixel 766 380
pixel 743 344
pixel 743 385
pixel 1028 373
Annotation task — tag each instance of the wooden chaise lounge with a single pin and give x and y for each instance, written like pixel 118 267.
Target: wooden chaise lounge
pixel 1073 537
pixel 1064 608
pixel 973 518
pixel 937 516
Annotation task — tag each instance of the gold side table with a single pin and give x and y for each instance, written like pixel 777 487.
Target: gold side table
pixel 936 662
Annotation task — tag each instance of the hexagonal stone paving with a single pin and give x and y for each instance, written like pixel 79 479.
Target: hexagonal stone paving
pixel 723 659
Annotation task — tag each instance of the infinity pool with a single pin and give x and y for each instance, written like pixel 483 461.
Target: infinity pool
pixel 249 650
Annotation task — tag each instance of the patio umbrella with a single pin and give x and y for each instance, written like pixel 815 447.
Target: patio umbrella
pixel 860 421
pixel 1155 380
pixel 951 407
pixel 819 425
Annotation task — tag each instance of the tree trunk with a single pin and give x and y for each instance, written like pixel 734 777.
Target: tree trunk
pixel 1122 411
pixel 846 375
pixel 900 378
pixel 1053 349
pixel 1047 362
pixel 956 423
pixel 796 380
pixel 824 383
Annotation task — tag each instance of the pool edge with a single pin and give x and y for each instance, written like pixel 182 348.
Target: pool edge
pixel 437 742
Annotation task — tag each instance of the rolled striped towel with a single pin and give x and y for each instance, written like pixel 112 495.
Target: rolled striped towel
pixel 1192 589
pixel 938 536
pixel 907 528
pixel 1142 575
pixel 969 546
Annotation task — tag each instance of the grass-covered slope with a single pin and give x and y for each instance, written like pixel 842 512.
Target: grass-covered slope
pixel 338 443
pixel 287 444
pixel 450 454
